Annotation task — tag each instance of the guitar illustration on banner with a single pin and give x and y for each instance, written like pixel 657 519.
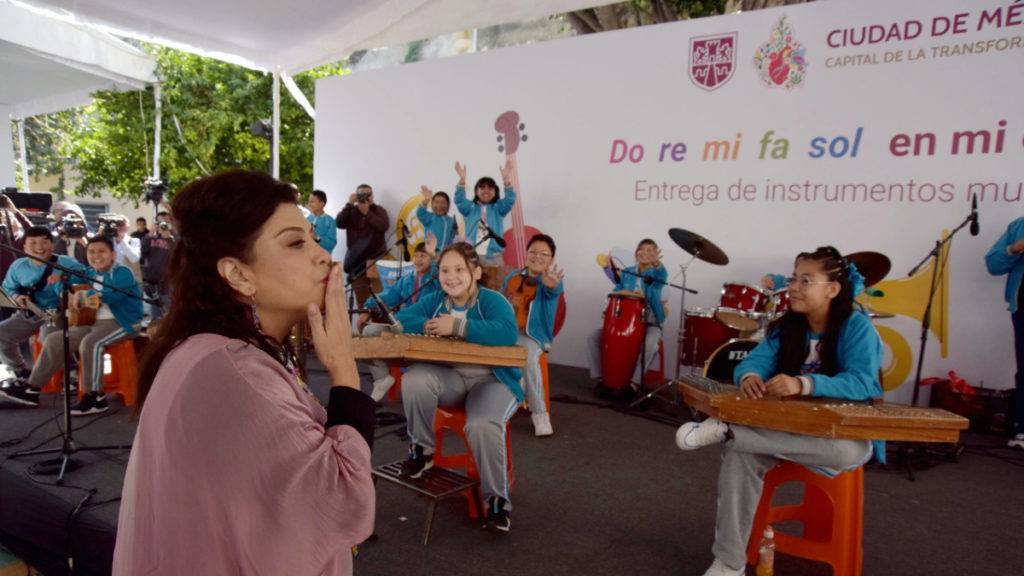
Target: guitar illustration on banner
pixel 510 134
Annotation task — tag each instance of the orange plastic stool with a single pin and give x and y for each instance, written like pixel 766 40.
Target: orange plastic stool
pixel 654 378
pixel 547 382
pixel 395 393
pixel 57 380
pixel 832 515
pixel 123 378
pixel 454 419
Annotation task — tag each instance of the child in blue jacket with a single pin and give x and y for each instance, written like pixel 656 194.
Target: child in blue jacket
pixel 534 293
pixel 118 316
pixel 1005 258
pixel 433 215
pixel 487 206
pixel 634 279
pixel 468 311
pixel 821 347
pixel 406 291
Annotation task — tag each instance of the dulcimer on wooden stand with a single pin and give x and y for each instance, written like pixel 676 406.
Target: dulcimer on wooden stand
pixel 416 347
pixel 822 417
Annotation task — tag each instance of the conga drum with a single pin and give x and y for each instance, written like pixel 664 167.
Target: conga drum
pixel 622 336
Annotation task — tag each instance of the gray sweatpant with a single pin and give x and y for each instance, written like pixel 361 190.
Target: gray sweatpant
pixel 745 461
pixel 489 405
pixel 533 379
pixel 653 336
pixel 378 368
pixel 89 341
pixel 15 330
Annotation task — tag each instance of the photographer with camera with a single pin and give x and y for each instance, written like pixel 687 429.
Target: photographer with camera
pixel 156 255
pixel 365 224
pixel 71 229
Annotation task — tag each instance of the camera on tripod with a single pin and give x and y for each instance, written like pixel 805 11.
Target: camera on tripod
pixel 154 190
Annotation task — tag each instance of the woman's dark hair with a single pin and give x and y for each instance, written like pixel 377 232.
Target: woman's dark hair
pixel 442 195
pixel 542 238
pixel 486 181
pixel 218 217
pixel 792 327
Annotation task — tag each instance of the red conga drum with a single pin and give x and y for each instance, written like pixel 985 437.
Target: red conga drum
pixel 622 336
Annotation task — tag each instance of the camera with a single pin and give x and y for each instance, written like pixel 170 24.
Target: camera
pixel 109 224
pixel 362 197
pixel 154 191
pixel 71 226
pixel 164 225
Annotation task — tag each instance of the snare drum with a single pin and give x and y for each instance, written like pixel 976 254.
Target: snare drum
pixel 702 334
pixel 742 296
pixel 622 335
pixel 725 359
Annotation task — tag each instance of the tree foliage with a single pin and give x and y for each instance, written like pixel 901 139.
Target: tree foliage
pixel 643 12
pixel 208 108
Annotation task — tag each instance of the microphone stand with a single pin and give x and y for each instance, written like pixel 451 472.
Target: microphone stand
pixel 68 447
pixel 940 253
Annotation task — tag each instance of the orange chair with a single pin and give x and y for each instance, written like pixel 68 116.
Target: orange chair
pixel 395 393
pixel 454 419
pixel 832 515
pixel 123 378
pixel 547 382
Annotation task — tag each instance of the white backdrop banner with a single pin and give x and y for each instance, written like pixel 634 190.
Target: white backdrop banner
pixel 866 125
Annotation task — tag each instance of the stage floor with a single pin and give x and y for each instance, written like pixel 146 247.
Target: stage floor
pixel 609 493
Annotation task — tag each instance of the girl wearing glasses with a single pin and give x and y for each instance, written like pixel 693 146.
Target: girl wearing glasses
pixel 464 309
pixel 646 278
pixel 821 347
pixel 534 292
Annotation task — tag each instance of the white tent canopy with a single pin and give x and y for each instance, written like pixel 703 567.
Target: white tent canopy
pixel 47 65
pixel 298 35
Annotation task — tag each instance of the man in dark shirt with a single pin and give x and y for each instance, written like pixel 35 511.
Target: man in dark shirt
pixel 365 224
pixel 156 255
pixel 141 231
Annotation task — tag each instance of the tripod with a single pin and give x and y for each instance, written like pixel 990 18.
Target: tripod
pixel 68 448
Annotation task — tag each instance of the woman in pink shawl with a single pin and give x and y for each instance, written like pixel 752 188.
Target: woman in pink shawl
pixel 236 468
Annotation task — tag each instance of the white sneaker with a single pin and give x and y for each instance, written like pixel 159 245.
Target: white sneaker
pixel 693 435
pixel 381 387
pixel 542 424
pixel 1016 442
pixel 719 569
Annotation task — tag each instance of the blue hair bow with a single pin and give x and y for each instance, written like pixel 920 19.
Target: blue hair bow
pixel 856 280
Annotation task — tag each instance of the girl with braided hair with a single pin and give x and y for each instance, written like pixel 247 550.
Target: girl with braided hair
pixel 822 346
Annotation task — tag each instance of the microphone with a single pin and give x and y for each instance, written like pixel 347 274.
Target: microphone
pixel 396 326
pixel 404 240
pixel 974 215
pixel 495 237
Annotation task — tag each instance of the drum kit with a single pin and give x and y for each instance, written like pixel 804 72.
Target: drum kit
pixel 712 341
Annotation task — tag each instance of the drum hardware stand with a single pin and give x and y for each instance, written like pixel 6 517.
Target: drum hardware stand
pixel 682 320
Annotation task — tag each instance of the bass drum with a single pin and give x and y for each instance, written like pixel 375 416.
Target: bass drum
pixel 724 361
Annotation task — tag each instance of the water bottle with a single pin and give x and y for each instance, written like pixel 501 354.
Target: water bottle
pixel 766 554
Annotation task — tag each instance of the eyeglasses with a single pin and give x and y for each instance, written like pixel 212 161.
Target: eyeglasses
pixel 538 253
pixel 804 282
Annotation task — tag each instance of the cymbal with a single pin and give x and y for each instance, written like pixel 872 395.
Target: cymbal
pixel 872 265
pixel 698 246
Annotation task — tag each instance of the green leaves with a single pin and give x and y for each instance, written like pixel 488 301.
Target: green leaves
pixel 110 142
